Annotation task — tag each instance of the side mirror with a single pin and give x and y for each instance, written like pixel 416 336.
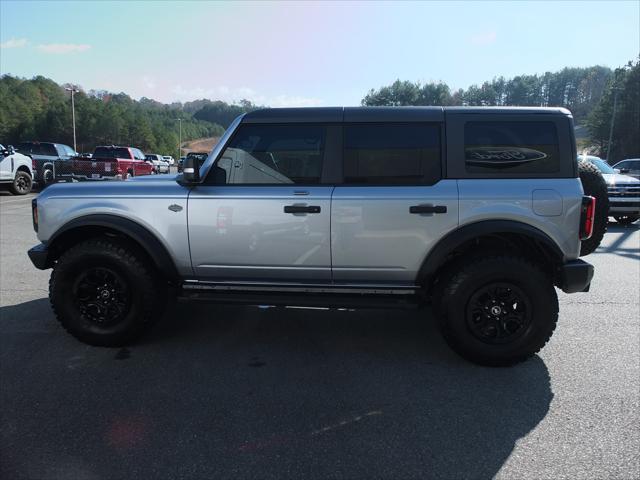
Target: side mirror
pixel 623 170
pixel 10 150
pixel 191 170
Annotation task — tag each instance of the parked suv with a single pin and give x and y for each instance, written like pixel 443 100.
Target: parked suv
pixel 629 166
pixel 16 171
pixel 623 192
pixel 50 160
pixel 478 211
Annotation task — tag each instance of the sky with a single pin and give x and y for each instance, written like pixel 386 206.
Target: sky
pixel 305 53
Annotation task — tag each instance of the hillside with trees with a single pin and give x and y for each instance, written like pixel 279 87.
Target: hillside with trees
pixel 40 109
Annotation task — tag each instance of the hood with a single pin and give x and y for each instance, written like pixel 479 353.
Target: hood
pixel 617 179
pixel 144 186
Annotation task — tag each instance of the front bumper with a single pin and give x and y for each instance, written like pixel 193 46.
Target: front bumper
pixel 39 256
pixel 621 205
pixel 575 276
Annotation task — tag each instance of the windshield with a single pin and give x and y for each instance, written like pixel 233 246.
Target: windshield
pixel 603 166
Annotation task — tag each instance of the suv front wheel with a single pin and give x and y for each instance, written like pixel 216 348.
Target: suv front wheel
pixel 498 311
pixel 104 293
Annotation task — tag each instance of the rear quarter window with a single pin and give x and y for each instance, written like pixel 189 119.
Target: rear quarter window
pixel 511 147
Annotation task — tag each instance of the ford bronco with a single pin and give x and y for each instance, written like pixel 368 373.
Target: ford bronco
pixel 479 212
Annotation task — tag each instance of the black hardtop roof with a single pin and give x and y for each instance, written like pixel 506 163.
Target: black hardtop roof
pixel 382 114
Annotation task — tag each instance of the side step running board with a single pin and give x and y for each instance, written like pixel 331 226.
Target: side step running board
pixel 356 296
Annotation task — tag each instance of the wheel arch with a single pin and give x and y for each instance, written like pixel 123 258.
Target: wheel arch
pixel 491 235
pixel 26 169
pixel 112 225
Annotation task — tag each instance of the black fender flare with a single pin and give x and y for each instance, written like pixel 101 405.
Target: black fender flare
pixel 440 252
pixel 140 234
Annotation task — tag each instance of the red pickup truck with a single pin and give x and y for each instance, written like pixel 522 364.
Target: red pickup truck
pixel 110 163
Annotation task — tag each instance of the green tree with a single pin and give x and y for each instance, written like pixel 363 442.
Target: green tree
pixel 625 84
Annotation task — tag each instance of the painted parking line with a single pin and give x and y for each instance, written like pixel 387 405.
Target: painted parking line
pixel 17 200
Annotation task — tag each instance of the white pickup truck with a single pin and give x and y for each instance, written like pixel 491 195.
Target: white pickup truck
pixel 16 171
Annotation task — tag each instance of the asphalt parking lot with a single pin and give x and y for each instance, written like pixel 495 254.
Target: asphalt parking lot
pixel 218 392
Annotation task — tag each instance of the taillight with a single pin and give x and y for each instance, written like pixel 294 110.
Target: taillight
pixel 587 217
pixel 33 164
pixel 34 213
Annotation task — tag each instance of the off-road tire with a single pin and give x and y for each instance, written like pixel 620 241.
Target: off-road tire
pixel 540 303
pixel 594 185
pixel 22 183
pixel 145 295
pixel 626 219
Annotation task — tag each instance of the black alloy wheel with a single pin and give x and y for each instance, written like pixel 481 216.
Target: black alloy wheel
pixel 498 313
pixel 101 296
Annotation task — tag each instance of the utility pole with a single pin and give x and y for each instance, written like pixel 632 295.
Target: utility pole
pixel 73 90
pixel 179 140
pixel 613 118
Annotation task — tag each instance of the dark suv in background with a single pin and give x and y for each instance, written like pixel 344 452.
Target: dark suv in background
pixel 49 159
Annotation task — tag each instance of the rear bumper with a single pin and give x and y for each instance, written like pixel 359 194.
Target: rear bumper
pixel 39 256
pixel 575 276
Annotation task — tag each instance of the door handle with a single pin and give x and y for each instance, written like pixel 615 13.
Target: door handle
pixel 301 209
pixel 428 209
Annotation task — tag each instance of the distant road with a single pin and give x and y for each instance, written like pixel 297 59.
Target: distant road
pixel 200 144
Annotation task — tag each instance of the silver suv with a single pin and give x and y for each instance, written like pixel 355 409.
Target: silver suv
pixel 477 211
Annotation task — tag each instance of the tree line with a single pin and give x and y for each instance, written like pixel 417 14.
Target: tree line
pixel 578 89
pixel 40 109
pixel 587 92
pixel 622 93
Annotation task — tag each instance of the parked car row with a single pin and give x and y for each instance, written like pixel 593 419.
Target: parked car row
pixel 43 163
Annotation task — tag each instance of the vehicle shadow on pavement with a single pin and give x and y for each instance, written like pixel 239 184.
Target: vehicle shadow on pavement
pixel 620 246
pixel 227 391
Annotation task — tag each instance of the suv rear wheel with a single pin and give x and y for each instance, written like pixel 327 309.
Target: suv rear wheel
pixel 498 311
pixel 103 293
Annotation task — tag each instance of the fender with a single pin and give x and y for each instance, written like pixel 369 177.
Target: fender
pixel 438 254
pixel 147 240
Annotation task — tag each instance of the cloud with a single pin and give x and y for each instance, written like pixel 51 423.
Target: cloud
pixel 149 82
pixel 62 48
pixel 236 94
pixel 486 38
pixel 14 43
pixel 292 101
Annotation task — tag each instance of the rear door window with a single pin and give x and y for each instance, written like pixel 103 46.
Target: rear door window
pixel 392 154
pixel 511 147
